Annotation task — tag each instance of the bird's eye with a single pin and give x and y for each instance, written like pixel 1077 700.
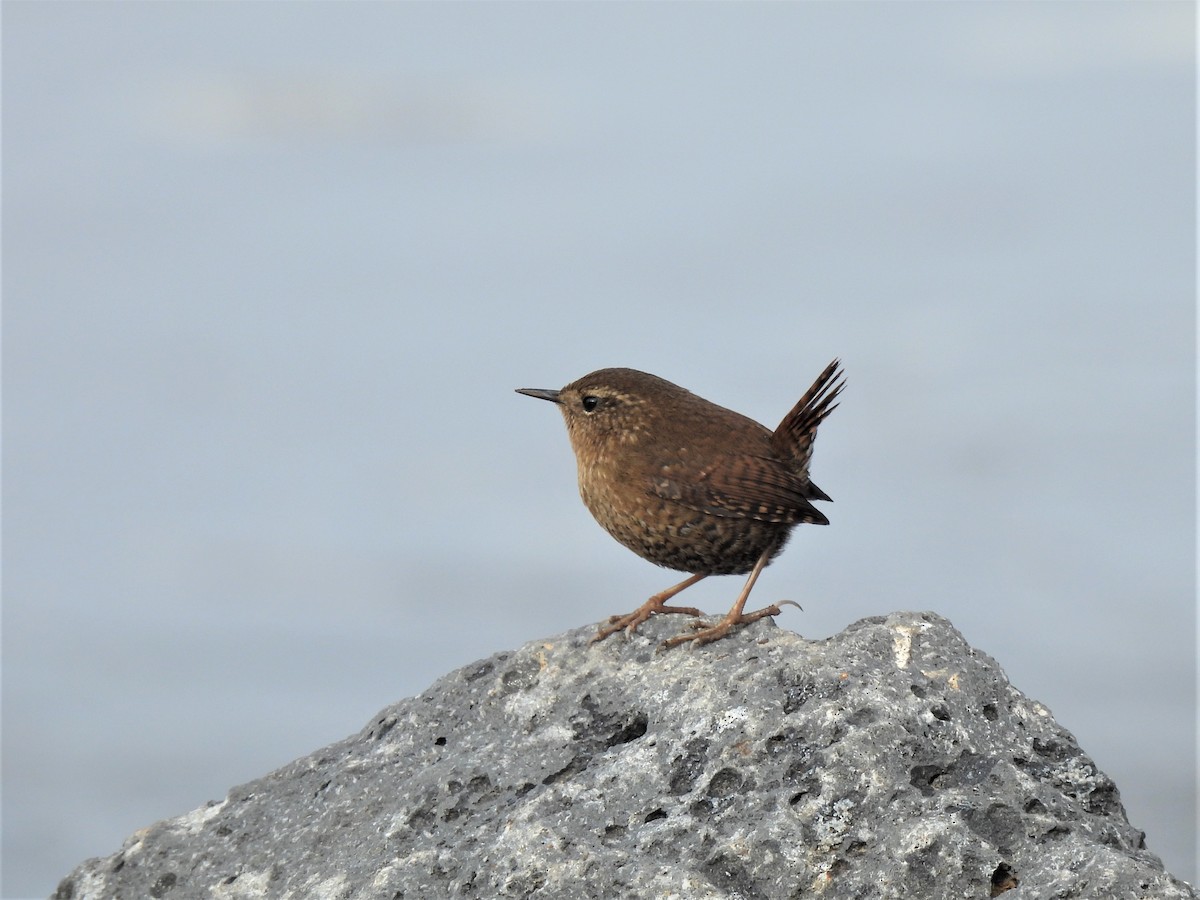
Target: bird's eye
pixel 590 403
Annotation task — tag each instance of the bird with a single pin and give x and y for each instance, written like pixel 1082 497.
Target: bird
pixel 690 485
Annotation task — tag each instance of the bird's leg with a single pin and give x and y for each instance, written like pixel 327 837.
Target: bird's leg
pixel 735 616
pixel 656 604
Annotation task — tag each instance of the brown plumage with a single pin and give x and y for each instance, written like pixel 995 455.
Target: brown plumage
pixel 690 485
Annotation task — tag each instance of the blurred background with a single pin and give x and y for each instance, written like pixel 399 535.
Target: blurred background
pixel 272 272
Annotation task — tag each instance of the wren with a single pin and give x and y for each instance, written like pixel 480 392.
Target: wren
pixel 690 485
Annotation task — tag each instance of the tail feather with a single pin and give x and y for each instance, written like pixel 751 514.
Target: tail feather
pixel 794 437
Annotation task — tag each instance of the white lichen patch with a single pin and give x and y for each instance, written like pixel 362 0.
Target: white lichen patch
pixel 192 822
pixel 945 675
pixel 902 637
pixel 1027 709
pixel 92 884
pixel 832 823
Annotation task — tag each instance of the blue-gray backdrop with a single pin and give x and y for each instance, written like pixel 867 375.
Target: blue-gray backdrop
pixel 271 272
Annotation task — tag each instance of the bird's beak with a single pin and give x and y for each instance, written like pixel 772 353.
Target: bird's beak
pixel 540 393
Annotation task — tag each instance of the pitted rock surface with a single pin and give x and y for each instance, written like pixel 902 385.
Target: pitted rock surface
pixel 889 761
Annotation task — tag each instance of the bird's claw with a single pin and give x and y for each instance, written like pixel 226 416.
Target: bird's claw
pixel 706 635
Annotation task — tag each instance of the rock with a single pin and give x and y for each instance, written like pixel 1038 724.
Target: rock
pixel 889 761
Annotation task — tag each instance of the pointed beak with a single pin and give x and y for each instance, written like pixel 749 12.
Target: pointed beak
pixel 540 393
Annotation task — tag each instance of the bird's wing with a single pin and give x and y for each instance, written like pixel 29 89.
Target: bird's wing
pixel 744 487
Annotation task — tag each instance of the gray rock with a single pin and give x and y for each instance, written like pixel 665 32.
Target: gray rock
pixel 889 761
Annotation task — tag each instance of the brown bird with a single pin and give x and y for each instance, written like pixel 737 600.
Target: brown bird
pixel 690 485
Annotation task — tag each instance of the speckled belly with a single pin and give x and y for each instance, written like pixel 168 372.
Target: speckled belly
pixel 675 536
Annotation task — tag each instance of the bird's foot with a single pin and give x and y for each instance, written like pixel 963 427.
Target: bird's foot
pixel 629 623
pixel 702 635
